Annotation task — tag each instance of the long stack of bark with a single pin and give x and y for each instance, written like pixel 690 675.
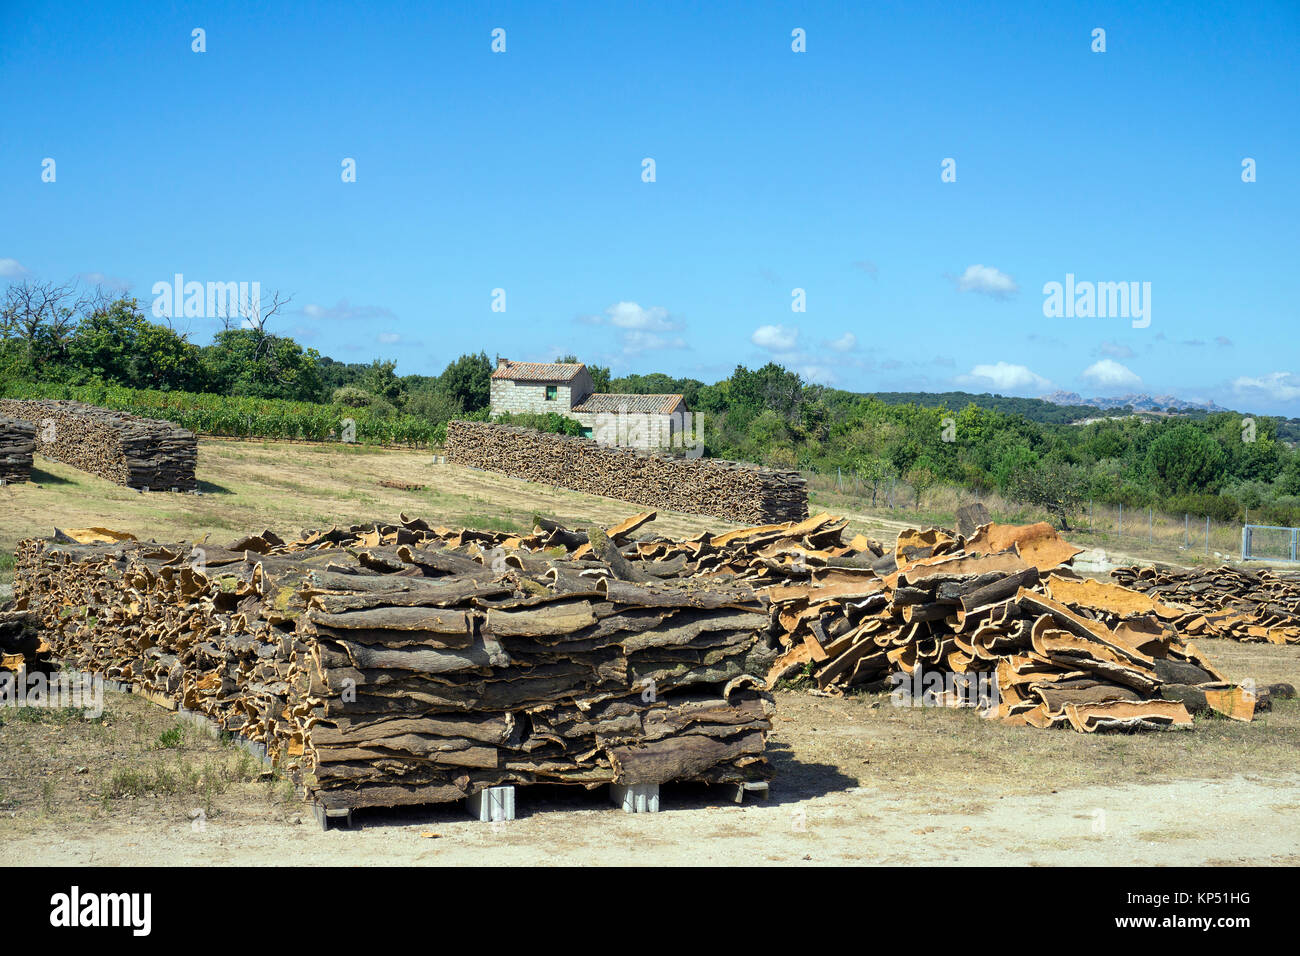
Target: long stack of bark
pixel 393 664
pixel 131 451
pixel 732 491
pixel 17 442
pixel 1226 602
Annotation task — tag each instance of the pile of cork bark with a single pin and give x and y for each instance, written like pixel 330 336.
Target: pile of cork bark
pixel 732 491
pixel 396 664
pixel 17 442
pixel 998 622
pixel 137 452
pixel 1226 602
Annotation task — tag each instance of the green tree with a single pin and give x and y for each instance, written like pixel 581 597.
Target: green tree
pixel 1185 459
pixel 1053 486
pixel 352 397
pixel 1288 480
pixel 922 478
pixel 433 403
pixel 380 380
pixel 251 361
pixel 1012 460
pixel 119 345
pixel 468 381
pixel 37 320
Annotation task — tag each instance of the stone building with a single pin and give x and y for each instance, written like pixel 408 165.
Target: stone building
pixel 639 421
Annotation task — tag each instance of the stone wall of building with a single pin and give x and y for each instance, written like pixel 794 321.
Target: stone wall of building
pixel 514 397
pixel 634 430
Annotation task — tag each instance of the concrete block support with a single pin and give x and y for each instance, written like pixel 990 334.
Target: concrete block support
pixel 492 805
pixel 636 798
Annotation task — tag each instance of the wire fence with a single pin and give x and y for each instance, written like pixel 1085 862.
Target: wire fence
pixel 1193 534
pixel 1269 543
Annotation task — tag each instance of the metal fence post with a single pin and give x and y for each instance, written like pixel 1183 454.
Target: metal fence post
pixel 1187 530
pixel 1207 534
pixel 1245 542
pixel 1151 526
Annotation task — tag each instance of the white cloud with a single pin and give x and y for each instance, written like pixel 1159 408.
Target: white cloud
pixel 1005 377
pixel 1115 350
pixel 819 374
pixel 389 338
pixel 107 281
pixel 845 343
pixel 13 269
pixel 1278 386
pixel 636 340
pixel 867 266
pixel 641 328
pixel 1110 374
pixel 775 338
pixel 346 311
pixel 988 281
pixel 629 315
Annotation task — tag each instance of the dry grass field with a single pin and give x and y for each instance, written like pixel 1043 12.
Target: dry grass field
pixel 252 485
pixel 857 779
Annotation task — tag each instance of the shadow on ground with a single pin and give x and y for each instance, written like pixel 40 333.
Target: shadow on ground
pixel 40 477
pixel 793 781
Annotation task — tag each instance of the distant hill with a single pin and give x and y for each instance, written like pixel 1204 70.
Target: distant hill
pixel 1035 409
pixel 1138 403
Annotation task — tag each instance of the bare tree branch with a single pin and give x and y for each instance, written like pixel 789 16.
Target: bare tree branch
pixel 252 314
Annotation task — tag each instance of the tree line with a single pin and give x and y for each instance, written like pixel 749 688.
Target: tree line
pixel 1219 464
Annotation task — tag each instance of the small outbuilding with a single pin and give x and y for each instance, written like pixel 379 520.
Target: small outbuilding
pixel 638 421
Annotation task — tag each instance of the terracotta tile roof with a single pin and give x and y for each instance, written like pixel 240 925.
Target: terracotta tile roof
pixel 538 371
pixel 637 404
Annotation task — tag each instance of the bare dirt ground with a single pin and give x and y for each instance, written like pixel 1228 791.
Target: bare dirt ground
pixel 857 780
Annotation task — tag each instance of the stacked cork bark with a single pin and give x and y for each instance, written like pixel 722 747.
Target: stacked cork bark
pixel 1225 602
pixel 996 621
pixel 388 664
pixel 395 664
pixel 131 451
pixel 17 442
pixel 732 491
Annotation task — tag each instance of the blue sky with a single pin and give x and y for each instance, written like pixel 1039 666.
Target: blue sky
pixel 774 171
